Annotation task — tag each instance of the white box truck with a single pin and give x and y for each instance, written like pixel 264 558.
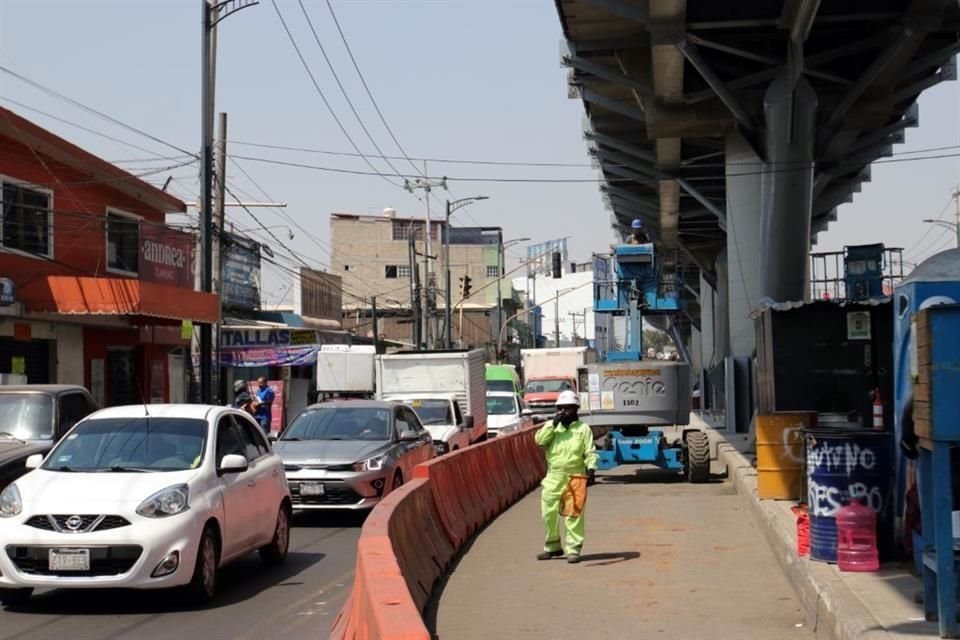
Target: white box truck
pixel 447 389
pixel 345 371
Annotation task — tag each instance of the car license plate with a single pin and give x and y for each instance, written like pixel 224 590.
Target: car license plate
pixel 312 489
pixel 69 559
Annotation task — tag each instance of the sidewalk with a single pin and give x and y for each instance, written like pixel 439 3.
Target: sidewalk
pixel 665 559
pixel 847 606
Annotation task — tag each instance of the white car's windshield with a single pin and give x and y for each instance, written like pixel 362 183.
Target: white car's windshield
pixel 500 385
pixel 501 406
pixel 28 416
pixel 131 444
pixel 340 423
pixel 432 411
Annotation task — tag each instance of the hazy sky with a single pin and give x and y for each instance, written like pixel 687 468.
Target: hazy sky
pixel 465 80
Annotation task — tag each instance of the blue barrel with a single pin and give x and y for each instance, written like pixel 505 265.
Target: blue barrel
pixel 845 465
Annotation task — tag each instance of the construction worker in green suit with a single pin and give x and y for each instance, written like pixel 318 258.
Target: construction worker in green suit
pixel 570 450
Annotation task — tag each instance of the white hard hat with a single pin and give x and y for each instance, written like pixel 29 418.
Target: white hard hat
pixel 567 398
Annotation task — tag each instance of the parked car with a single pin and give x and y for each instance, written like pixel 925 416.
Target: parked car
pixel 142 500
pixel 504 412
pixel 42 413
pixel 13 457
pixel 348 454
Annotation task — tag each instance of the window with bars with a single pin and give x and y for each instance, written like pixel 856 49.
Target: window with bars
pixel 403 271
pixel 26 219
pixel 493 271
pixel 402 229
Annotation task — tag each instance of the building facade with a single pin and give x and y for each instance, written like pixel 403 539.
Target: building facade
pixel 372 256
pixel 102 289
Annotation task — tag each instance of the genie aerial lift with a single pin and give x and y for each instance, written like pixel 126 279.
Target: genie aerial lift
pixel 625 395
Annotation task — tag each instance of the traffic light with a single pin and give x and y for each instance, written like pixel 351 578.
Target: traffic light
pixel 465 286
pixel 557 269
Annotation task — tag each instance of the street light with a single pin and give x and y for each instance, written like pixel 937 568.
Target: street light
pixel 447 311
pixel 952 226
pixel 500 269
pixel 275 226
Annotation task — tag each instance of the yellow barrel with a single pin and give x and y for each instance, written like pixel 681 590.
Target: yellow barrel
pixel 780 453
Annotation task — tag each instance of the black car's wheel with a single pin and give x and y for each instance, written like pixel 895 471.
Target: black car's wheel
pixel 15 596
pixel 698 457
pixel 203 586
pixel 276 552
pixel 397 480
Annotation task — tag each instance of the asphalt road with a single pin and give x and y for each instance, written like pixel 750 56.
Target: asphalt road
pixel 299 599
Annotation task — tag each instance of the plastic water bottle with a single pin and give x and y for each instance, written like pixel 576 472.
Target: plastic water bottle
pixel 857 538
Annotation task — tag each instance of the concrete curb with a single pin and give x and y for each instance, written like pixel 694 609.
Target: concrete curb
pixel 831 608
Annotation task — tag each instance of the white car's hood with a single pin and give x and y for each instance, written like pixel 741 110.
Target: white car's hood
pixel 45 491
pixel 497 423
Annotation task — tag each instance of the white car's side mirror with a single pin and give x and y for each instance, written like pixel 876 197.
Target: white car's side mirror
pixel 233 463
pixel 34 461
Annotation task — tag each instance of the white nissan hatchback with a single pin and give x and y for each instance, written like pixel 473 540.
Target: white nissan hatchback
pixel 144 497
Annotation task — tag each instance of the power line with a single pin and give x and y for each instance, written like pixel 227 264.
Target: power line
pixel 80 105
pixel 366 87
pixel 534 163
pixel 342 89
pixel 567 180
pixel 323 97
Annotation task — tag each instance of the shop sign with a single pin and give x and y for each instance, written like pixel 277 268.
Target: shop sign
pixel 240 277
pixel 243 338
pixel 166 256
pixel 7 292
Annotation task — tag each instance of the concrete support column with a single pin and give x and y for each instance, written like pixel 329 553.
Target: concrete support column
pixel 707 324
pixel 743 262
pixel 787 188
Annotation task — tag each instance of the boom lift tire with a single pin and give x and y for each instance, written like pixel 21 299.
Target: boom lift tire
pixel 698 457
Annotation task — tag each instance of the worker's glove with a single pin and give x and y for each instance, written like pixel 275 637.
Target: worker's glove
pixel 591 477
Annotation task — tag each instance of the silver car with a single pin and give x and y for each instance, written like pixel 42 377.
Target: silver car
pixel 348 454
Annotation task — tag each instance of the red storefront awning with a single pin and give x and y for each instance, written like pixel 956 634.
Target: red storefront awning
pixel 118 297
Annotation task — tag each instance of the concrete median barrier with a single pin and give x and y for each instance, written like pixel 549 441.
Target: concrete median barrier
pixel 410 538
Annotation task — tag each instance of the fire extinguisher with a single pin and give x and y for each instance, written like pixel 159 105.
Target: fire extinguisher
pixel 877 411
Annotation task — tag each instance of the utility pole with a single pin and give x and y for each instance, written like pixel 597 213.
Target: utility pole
pixel 212 14
pixel 956 215
pixel 448 304
pixel 427 185
pixel 414 289
pixel 376 329
pixel 556 319
pixel 219 207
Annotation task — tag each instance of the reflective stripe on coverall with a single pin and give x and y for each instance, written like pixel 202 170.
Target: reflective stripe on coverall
pixel 569 451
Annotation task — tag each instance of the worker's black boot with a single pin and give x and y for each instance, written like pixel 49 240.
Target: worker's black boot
pixel 549 555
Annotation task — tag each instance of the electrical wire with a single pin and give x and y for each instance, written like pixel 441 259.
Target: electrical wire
pixel 100 114
pixel 323 97
pixel 343 91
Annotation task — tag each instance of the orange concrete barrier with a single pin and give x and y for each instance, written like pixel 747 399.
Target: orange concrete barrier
pixel 410 538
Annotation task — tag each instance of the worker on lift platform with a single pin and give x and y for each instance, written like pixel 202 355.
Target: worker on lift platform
pixel 639 236
pixel 570 451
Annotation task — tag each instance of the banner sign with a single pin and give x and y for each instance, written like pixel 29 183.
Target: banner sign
pixel 301 356
pixel 240 279
pixel 166 256
pixel 540 256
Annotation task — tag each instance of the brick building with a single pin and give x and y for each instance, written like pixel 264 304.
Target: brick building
pixel 100 284
pixel 372 255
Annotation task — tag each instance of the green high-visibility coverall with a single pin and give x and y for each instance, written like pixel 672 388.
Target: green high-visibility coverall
pixel 570 451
